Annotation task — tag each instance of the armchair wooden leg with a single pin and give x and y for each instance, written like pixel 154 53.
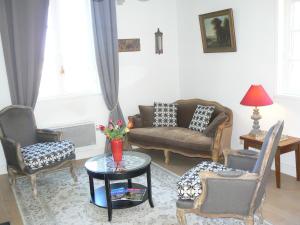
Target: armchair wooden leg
pixel 181 217
pixel 33 184
pixel 249 220
pixel 72 171
pixel 11 176
pixel 259 211
pixel 167 156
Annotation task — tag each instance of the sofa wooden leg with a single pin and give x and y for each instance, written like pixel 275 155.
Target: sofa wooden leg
pixel 181 217
pixel 215 157
pixel 167 156
pixel 33 184
pixel 249 220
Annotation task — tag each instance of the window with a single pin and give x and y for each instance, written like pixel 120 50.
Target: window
pixel 69 61
pixel 289 48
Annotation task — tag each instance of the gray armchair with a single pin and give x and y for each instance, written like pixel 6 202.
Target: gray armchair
pixel 28 150
pixel 237 189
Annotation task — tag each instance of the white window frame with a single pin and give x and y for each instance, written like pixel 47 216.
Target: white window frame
pixel 284 46
pixel 61 93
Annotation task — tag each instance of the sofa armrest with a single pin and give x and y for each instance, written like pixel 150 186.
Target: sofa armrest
pixel 46 135
pixel 135 121
pixel 13 154
pixel 222 140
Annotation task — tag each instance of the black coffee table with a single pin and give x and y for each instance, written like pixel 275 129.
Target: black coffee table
pixel 103 167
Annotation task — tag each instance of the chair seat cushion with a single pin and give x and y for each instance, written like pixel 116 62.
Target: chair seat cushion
pixel 189 186
pixel 46 154
pixel 177 138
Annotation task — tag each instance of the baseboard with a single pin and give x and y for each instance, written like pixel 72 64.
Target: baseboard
pixel 288 169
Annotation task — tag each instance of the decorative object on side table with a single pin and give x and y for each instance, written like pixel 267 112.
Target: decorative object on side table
pixel 256 96
pixel 159 42
pixel 115 132
pixel 217 31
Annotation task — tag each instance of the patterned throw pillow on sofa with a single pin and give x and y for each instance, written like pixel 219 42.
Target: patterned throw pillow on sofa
pixel 165 115
pixel 201 117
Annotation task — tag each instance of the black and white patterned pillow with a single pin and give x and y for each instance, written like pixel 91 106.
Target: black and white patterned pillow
pixel 165 115
pixel 46 154
pixel 189 186
pixel 201 117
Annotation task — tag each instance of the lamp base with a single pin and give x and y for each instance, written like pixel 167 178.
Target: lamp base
pixel 256 131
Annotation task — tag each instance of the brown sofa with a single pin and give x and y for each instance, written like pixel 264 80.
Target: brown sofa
pixel 180 139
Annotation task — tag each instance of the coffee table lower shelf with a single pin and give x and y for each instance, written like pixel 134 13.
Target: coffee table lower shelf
pixel 100 197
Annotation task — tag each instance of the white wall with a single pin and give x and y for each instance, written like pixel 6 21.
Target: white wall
pixel 144 76
pixel 225 77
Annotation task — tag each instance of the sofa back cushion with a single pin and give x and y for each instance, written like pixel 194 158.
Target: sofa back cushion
pixel 186 109
pixel 147 115
pixel 213 126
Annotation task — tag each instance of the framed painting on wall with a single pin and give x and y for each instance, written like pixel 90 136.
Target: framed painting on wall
pixel 129 45
pixel 217 31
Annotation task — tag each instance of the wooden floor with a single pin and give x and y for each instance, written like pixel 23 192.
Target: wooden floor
pixel 282 206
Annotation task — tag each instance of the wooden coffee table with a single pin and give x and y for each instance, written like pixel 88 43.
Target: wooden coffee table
pixel 103 167
pixel 284 146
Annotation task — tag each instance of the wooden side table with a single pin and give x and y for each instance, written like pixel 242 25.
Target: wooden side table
pixel 284 146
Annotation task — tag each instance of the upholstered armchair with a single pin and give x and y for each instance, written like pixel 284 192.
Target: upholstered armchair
pixel 235 190
pixel 28 150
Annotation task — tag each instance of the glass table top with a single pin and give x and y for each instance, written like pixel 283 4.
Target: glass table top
pixel 105 164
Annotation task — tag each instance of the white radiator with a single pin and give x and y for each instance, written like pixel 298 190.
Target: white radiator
pixel 81 135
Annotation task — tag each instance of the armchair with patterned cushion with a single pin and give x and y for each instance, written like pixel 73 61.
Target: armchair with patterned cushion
pixel 28 150
pixel 235 190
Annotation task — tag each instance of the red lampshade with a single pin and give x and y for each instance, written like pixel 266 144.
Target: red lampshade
pixel 256 96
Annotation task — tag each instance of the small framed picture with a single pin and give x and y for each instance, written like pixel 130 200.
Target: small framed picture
pixel 129 45
pixel 217 31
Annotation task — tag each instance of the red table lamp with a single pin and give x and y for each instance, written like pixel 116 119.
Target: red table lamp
pixel 256 96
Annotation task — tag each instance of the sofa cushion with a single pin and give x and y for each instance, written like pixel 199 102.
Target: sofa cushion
pixel 201 117
pixel 189 186
pixel 147 115
pixel 176 138
pixel 187 107
pixel 165 115
pixel 213 125
pixel 46 154
pixel 185 112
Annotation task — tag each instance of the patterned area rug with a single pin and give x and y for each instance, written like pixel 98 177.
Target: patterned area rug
pixel 61 202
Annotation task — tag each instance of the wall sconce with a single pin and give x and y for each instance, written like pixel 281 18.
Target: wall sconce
pixel 158 42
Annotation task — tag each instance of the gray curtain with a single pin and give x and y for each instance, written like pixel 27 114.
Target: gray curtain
pixel 107 55
pixel 23 25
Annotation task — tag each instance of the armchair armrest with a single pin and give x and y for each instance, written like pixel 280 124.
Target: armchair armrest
pixel 225 193
pixel 240 159
pixel 135 121
pixel 46 135
pixel 13 154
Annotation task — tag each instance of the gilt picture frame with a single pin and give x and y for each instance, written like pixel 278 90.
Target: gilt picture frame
pixel 217 31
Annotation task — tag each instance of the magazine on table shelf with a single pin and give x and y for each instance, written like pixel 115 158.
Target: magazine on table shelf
pixel 128 194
